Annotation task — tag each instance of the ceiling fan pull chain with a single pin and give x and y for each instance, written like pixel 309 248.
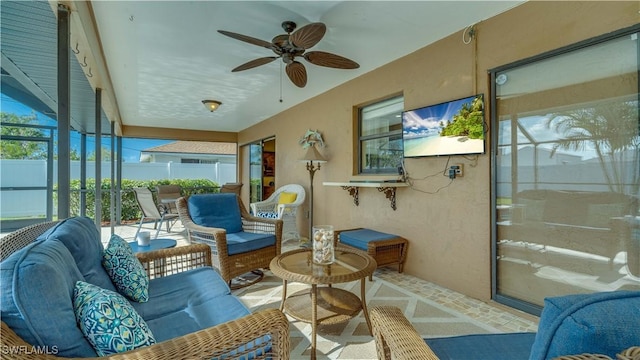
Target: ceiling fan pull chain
pixel 281 82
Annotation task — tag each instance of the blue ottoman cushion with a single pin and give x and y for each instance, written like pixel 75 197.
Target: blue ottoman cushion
pixel 361 237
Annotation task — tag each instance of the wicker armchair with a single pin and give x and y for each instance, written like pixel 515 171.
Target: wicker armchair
pixel 287 212
pixel 397 339
pixel 214 342
pixel 231 266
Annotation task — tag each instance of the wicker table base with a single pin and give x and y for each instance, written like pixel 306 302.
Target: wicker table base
pixel 334 306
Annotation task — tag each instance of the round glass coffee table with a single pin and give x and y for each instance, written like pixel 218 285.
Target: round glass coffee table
pixel 324 305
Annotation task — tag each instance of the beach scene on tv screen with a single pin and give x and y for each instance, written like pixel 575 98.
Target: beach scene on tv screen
pixel 454 127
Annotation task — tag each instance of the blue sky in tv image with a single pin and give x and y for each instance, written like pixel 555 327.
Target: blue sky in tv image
pixel 131 147
pixel 421 130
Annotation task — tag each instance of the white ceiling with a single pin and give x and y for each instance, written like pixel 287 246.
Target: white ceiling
pixel 165 57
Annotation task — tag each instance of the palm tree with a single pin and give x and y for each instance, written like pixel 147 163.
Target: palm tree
pixel 612 129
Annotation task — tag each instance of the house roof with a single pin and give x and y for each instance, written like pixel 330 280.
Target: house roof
pixel 195 147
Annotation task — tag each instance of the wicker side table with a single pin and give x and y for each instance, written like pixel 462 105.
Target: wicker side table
pixel 323 304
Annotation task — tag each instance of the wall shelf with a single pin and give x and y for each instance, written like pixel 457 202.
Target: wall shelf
pixel 353 187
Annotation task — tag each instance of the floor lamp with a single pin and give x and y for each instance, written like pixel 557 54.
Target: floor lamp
pixel 312 158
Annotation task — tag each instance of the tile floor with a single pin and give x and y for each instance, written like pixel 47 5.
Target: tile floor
pixel 493 314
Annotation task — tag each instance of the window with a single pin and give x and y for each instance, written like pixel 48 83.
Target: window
pixel 380 137
pixel 567 174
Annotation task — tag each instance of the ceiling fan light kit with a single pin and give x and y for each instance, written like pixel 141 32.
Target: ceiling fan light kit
pixel 292 45
pixel 211 105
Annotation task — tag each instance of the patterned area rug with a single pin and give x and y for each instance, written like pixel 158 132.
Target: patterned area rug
pixel 351 340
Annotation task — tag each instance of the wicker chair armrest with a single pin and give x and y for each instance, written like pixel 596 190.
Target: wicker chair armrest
pixel 395 337
pixel 208 343
pixel 165 262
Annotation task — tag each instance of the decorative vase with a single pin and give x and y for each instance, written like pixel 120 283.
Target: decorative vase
pixel 323 252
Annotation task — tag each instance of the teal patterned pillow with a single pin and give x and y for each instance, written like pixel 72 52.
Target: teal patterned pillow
pixel 108 321
pixel 125 270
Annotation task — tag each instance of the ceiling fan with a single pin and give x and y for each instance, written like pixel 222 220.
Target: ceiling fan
pixel 292 45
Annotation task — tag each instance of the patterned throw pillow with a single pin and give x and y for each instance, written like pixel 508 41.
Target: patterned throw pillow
pixel 125 270
pixel 108 321
pixel 267 214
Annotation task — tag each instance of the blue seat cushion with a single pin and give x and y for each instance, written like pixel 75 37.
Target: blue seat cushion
pixel 82 239
pixel 37 284
pixel 243 242
pixel 362 237
pixel 599 323
pixel 512 346
pixel 188 301
pixel 176 292
pixel 216 210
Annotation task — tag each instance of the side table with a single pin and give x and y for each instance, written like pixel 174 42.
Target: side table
pixel 323 304
pixel 154 244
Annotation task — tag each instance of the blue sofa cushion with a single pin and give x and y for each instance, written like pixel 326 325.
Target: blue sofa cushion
pixel 108 321
pixel 125 270
pixel 216 210
pixel 512 346
pixel 601 323
pixel 81 237
pixel 37 290
pixel 188 301
pixel 362 237
pixel 242 242
pixel 173 293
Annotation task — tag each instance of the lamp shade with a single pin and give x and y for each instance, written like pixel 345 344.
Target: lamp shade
pixel 211 105
pixel 313 155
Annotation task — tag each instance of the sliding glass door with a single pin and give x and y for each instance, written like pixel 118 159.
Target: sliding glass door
pixel 567 180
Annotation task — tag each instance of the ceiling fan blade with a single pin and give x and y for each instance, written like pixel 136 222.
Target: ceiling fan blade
pixel 254 63
pixel 308 35
pixel 297 73
pixel 322 58
pixel 245 38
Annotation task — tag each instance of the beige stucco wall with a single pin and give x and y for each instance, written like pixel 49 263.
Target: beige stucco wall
pixel 449 230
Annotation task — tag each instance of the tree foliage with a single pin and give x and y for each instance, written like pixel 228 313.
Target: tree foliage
pixel 469 121
pixel 18 149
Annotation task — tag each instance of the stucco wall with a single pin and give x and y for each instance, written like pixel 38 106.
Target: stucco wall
pixel 449 231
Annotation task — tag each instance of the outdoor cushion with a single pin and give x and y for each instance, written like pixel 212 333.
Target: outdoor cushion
pixel 37 289
pixel 510 346
pixel 125 270
pixel 361 237
pixel 601 323
pixel 81 237
pixel 216 210
pixel 108 321
pixel 243 242
pixel 197 316
pixel 173 293
pixel 267 214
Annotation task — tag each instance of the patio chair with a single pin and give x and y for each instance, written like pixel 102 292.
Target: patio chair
pixel 282 204
pixel 240 243
pixel 167 196
pixel 150 210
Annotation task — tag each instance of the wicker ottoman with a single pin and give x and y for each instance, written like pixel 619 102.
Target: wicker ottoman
pixel 385 248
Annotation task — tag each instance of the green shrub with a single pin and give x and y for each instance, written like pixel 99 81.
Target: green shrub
pixel 129 207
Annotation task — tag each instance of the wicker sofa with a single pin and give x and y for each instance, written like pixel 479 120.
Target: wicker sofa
pixel 190 308
pixel 595 326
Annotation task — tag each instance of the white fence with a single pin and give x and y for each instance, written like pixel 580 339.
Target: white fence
pixel 33 173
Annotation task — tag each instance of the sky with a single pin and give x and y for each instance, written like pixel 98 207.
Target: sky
pixel 131 147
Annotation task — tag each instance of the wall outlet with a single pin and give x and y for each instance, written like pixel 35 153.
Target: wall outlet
pixel 459 170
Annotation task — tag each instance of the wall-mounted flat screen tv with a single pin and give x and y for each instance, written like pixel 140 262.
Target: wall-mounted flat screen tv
pixel 450 128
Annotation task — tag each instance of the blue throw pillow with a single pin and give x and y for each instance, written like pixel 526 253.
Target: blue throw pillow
pixel 267 214
pixel 108 321
pixel 125 270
